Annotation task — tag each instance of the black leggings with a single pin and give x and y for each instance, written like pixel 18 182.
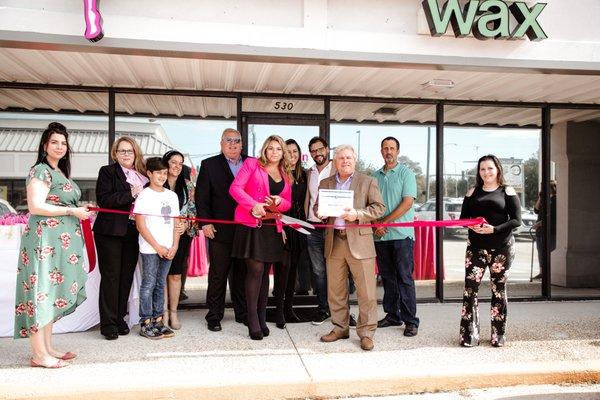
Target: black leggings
pixel 285 284
pixel 257 292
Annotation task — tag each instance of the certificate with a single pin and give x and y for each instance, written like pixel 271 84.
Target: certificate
pixel 333 203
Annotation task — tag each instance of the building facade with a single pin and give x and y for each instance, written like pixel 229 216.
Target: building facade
pixel 313 62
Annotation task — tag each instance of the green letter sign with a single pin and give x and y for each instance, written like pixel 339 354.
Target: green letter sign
pixel 487 19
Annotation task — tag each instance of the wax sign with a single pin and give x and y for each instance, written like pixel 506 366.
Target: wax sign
pixel 485 19
pixel 93 21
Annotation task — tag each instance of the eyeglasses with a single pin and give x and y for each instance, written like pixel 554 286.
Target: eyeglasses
pixel 232 140
pixel 126 151
pixel 319 150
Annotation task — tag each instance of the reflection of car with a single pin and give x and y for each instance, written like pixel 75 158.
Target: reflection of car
pixel 452 207
pixel 6 208
pixel 528 219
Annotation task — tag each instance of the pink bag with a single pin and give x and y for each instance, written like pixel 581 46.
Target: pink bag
pixel 198 259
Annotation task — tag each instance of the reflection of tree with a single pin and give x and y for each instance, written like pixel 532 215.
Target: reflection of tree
pixel 531 176
pixel 531 171
pixel 457 186
pixel 365 168
pixel 413 165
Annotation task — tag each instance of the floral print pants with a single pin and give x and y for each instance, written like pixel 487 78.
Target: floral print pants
pixel 476 261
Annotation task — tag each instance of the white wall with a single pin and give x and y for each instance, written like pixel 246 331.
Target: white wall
pixel 349 30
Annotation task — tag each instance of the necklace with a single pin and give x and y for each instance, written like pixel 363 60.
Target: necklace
pixel 490 188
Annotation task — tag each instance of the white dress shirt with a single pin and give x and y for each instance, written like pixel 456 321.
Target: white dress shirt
pixel 314 179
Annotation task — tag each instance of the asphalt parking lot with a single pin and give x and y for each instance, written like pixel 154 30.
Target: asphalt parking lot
pixel 454 254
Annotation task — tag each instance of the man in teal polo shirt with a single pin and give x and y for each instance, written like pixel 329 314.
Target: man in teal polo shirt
pixel 394 245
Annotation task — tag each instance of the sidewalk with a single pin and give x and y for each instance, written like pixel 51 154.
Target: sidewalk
pixel 548 343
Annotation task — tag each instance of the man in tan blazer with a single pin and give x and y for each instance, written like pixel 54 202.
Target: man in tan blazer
pixel 351 249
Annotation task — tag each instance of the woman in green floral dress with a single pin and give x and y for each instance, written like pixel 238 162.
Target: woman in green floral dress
pixel 51 278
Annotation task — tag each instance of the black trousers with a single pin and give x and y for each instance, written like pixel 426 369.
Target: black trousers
pixel 223 267
pixel 285 275
pixel 117 259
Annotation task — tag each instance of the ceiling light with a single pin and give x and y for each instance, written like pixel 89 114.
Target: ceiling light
pixel 437 85
pixel 386 111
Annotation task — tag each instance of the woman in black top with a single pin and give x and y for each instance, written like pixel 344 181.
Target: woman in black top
pixel 286 273
pixel 178 181
pixel 490 245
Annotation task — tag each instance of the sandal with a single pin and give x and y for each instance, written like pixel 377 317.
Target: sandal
pixel 59 364
pixel 67 356
pixel 174 321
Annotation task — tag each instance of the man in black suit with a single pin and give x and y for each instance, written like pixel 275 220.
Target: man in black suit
pixel 214 202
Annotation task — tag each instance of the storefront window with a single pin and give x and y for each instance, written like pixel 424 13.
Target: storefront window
pixel 518 149
pixel 182 123
pixel 20 135
pixel 414 139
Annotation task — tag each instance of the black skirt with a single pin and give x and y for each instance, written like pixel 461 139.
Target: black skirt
pixel 262 244
pixel 179 264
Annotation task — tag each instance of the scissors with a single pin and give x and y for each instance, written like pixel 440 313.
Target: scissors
pixel 274 213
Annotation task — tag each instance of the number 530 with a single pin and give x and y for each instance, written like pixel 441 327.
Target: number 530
pixel 283 105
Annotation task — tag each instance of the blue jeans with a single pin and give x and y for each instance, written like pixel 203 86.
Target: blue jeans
pixel 316 252
pixel 395 263
pixel 152 290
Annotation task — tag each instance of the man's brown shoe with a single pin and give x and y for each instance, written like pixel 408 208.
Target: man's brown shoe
pixel 366 343
pixel 333 336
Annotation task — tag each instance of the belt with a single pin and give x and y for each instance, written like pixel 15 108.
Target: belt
pixel 340 233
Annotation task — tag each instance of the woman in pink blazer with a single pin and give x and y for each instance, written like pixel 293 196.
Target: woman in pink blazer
pixel 260 183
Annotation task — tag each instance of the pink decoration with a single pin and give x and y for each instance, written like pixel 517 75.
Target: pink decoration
pixel 198 260
pixel 93 21
pixel 14 219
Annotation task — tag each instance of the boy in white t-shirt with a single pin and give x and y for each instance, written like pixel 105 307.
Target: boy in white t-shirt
pixel 158 245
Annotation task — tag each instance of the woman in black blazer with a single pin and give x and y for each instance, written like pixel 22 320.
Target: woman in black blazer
pixel 115 235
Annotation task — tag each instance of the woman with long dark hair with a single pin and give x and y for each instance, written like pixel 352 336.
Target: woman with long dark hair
pixel 261 183
pixel 51 279
pixel 490 245
pixel 116 235
pixel 184 188
pixel 287 273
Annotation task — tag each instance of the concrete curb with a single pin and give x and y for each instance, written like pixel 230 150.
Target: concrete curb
pixel 549 344
pixel 330 389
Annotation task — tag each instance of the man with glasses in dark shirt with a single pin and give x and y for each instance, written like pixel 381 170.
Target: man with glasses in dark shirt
pixel 214 202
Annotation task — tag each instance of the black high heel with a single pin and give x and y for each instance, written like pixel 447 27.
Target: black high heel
pixel 291 317
pixel 279 318
pixel 256 335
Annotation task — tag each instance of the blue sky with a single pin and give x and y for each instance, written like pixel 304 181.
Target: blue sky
pixel 463 146
pixel 200 138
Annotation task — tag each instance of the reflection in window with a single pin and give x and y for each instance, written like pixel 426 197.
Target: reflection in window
pixel 518 151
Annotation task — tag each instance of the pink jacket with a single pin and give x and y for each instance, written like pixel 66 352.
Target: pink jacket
pixel 251 186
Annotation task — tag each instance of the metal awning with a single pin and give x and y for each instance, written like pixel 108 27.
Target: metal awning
pixel 150 72
pixel 81 141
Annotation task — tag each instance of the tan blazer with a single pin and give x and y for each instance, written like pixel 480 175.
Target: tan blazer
pixel 369 206
pixel 307 197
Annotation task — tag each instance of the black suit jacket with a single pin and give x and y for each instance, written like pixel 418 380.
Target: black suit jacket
pixel 213 200
pixel 112 191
